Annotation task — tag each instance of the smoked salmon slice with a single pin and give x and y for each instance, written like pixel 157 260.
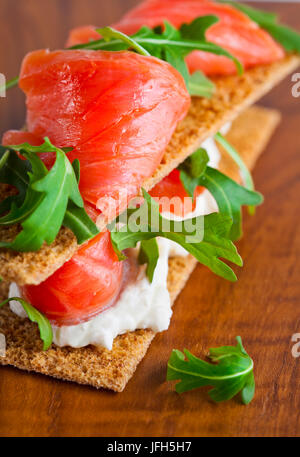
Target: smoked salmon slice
pixel 83 287
pixel 118 110
pixel 235 32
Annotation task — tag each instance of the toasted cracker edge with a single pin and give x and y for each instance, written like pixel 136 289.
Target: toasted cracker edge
pixel 101 368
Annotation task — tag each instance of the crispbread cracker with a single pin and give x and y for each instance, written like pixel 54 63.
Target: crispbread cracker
pixel 234 94
pixel 113 369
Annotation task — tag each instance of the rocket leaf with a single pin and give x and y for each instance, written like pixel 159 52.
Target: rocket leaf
pixel 246 175
pixel 229 195
pixel 169 44
pixel 231 373
pixel 149 254
pixel 204 237
pixel 200 86
pixel 110 34
pixel 13 171
pixel 35 316
pixel 46 200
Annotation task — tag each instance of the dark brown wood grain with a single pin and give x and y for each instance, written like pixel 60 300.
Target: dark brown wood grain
pixel 262 307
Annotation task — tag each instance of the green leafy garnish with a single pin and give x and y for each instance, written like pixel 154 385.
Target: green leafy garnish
pixel 205 237
pixel 231 373
pixel 200 86
pixel 110 34
pixel 168 44
pixel 13 171
pixel 35 316
pixel 77 220
pixel 31 200
pixel 286 36
pixel 192 168
pixel 11 83
pixel 46 199
pixel 149 254
pixel 246 175
pixel 229 195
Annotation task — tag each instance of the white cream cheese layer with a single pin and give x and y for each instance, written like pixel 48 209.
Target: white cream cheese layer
pixel 141 305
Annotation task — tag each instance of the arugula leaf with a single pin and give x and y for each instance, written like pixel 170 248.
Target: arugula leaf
pixel 166 43
pixel 286 36
pixel 76 167
pixel 149 254
pixel 77 220
pixel 13 171
pixel 54 189
pixel 110 34
pixel 195 165
pixel 196 29
pixel 46 199
pixel 246 175
pixel 188 38
pixel 232 374
pixel 192 168
pixel 32 198
pixel 204 237
pixel 238 160
pixel 200 86
pixel 35 316
pixel 174 45
pixel 229 195
pixel 4 157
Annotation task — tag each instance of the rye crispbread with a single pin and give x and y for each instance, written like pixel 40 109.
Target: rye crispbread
pixel 113 369
pixel 234 94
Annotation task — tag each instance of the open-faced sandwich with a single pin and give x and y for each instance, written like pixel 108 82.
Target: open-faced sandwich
pixel 131 168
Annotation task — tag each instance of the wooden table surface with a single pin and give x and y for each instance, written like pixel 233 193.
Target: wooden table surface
pixel 262 307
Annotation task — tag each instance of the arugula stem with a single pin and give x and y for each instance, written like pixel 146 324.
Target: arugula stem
pixel 124 38
pixel 249 184
pixel 204 376
pixel 11 83
pixel 246 175
pixel 203 46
